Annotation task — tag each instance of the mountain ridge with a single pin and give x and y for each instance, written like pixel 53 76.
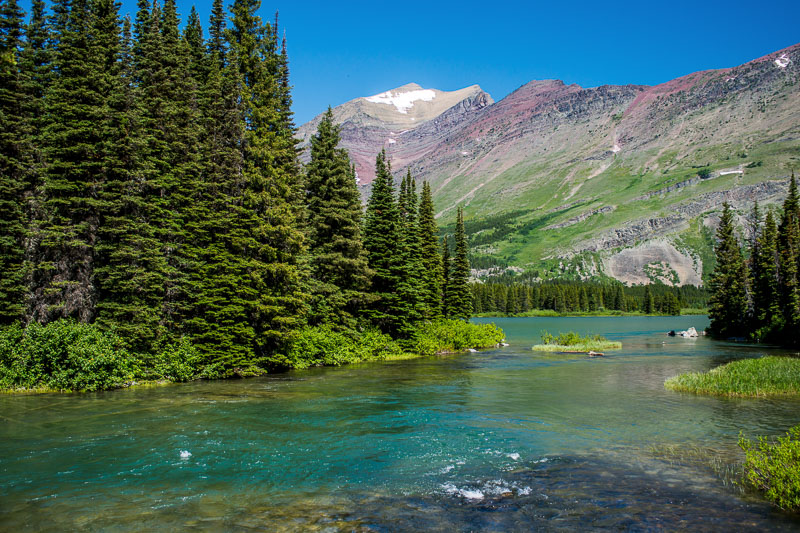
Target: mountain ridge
pixel 590 174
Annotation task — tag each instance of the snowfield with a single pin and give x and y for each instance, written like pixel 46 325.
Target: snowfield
pixel 402 101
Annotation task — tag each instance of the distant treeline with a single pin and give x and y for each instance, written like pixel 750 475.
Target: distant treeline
pixel 563 297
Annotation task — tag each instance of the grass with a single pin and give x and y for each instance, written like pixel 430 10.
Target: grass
pixel 748 378
pixel 573 342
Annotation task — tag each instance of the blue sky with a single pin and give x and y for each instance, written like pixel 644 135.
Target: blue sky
pixel 342 50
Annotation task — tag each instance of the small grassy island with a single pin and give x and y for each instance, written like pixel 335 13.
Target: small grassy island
pixel 573 342
pixel 766 376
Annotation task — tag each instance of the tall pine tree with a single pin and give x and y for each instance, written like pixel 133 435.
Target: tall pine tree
pixel 338 259
pixel 458 301
pixel 432 275
pixel 727 304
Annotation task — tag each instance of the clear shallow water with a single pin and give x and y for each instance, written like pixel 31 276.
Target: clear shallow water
pixel 506 439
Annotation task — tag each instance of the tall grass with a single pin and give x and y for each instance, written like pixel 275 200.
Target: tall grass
pixel 766 376
pixel 573 342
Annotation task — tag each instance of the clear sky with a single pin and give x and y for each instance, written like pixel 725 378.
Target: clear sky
pixel 342 50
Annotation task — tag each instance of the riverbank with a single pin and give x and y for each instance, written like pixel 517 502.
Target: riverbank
pixel 748 378
pixel 577 314
pixel 65 356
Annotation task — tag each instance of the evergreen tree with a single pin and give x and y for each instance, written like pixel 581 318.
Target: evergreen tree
pixel 458 301
pixel 382 234
pixel 766 293
pixel 216 31
pixel 410 288
pixel 339 271
pixel 446 270
pixel 14 164
pixel 789 254
pixel 432 277
pixel 272 196
pixel 66 232
pixel 727 304
pixel 128 259
pixel 649 302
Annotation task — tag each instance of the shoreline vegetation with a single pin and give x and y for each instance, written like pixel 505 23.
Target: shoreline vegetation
pixel 746 378
pixel 66 356
pixel 572 342
pixel 598 313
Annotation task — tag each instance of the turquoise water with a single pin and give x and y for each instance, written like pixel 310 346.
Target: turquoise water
pixel 504 439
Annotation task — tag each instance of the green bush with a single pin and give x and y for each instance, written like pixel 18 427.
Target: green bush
pixel 773 468
pixel 63 355
pixel 176 361
pixel 322 346
pixel 452 335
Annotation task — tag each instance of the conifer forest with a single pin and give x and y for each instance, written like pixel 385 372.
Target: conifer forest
pixel 150 187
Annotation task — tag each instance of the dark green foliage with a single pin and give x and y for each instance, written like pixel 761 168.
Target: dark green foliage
pixel 272 240
pixel 453 335
pixel 15 161
pixel 63 355
pixel 788 257
pixel 459 303
pixel 727 305
pixel 338 260
pixel 766 294
pixel 567 297
pixel 446 271
pixel 66 231
pixel 324 346
pixel 432 275
pixel 382 233
pixel 773 468
pixel 649 301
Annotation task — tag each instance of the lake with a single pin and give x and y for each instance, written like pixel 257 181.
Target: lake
pixel 505 439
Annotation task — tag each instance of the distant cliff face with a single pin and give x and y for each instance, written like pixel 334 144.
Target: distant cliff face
pixel 620 181
pixel 407 122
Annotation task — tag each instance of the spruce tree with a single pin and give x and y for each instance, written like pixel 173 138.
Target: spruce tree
pixel 339 271
pixel 727 303
pixel 382 234
pixel 66 232
pixel 15 160
pixel 458 301
pixel 649 302
pixel 410 287
pixel 447 266
pixel 272 197
pixel 128 259
pixel 432 276
pixel 789 254
pixel 766 292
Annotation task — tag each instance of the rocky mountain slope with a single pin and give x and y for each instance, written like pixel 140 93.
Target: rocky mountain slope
pixel 619 181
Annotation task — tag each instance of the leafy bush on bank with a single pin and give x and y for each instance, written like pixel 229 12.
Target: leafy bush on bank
pixel 773 468
pixel 321 346
pixel 63 355
pixel 453 335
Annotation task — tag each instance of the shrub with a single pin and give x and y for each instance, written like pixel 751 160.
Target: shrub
pixel 63 355
pixel 322 346
pixel 176 361
pixel 773 468
pixel 452 335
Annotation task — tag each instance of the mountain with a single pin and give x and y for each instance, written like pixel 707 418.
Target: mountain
pixel 612 181
pixel 406 121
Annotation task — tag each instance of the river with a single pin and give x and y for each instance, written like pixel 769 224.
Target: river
pixel 505 439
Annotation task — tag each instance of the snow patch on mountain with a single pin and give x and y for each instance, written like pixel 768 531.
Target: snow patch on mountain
pixel 402 101
pixel 783 61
